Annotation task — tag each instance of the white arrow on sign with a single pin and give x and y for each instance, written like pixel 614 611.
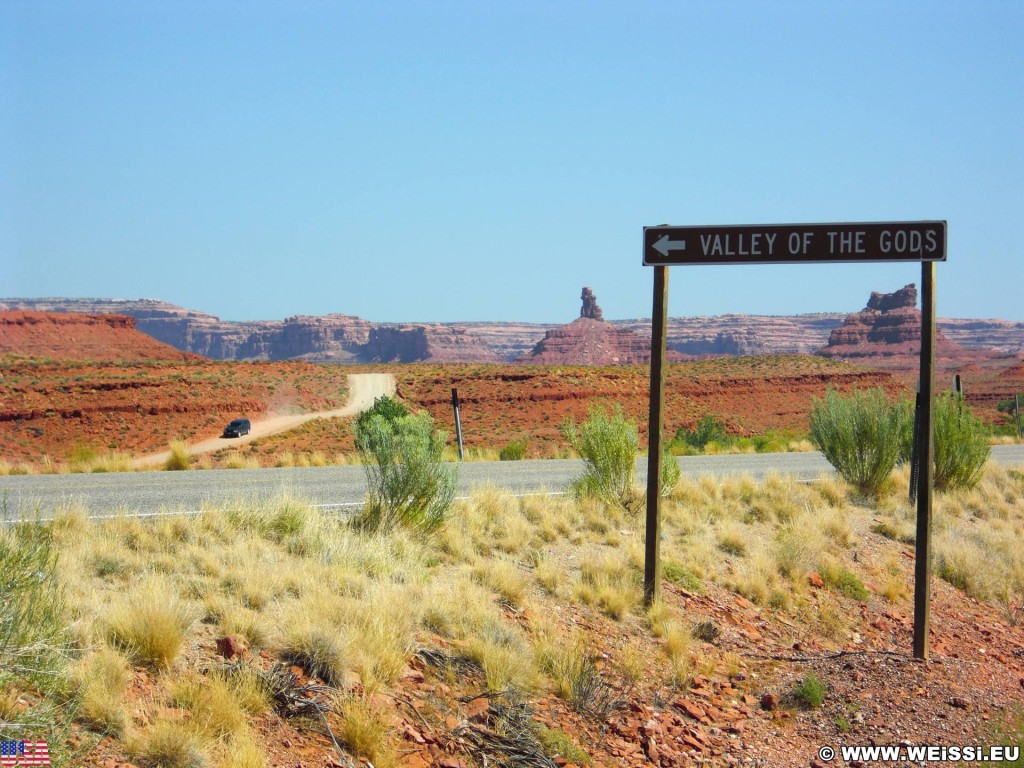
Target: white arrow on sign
pixel 663 245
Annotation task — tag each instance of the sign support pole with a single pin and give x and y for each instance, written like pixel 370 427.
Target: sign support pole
pixel 926 471
pixel 458 420
pixel 655 428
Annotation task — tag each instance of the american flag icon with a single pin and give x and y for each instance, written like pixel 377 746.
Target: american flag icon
pixel 16 753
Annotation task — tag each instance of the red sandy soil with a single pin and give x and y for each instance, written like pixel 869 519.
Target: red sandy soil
pixel 63 409
pixel 753 395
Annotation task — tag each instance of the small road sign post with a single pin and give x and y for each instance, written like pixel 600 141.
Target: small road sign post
pixel 847 242
pixel 1016 413
pixel 458 421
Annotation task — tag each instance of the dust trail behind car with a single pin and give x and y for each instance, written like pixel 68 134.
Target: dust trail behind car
pixel 363 389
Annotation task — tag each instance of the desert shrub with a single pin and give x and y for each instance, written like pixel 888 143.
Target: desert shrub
pixel 708 429
pixel 681 577
pixel 608 446
pixel 179 458
pixel 961 444
pixel 407 482
pixel 844 581
pixel 514 451
pixel 860 435
pixel 670 473
pixel 810 691
pixel 557 744
pixel 387 408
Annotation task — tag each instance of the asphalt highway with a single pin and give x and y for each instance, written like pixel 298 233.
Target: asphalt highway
pixel 155 492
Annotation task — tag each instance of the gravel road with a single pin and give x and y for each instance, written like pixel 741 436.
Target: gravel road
pixel 363 389
pixel 154 492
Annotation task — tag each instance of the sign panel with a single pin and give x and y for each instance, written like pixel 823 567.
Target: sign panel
pixel 796 243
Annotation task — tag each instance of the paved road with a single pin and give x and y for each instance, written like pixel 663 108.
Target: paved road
pixel 154 492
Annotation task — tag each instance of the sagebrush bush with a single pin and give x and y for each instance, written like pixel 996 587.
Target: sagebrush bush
pixel 608 446
pixel 387 408
pixel 861 435
pixel 408 484
pixel 708 429
pixel 961 443
pixel 514 451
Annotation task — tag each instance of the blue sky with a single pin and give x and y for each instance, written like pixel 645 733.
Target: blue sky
pixel 445 161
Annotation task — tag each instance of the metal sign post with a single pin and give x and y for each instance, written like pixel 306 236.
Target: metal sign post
pixel 655 449
pixel 926 467
pixel 909 241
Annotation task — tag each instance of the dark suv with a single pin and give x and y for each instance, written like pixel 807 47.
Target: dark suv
pixel 237 428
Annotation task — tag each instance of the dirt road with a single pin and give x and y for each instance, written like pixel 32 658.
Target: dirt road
pixel 363 389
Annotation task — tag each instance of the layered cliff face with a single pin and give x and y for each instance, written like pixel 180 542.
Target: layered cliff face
pixel 73 336
pixel 743 334
pixel 887 333
pixel 341 338
pixel 426 343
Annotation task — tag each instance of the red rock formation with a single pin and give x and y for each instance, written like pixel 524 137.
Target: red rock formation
pixel 887 333
pixel 425 343
pixel 590 309
pixel 346 339
pixel 68 336
pixel 590 340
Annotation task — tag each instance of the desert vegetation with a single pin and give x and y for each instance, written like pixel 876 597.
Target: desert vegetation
pixel 223 636
pixel 864 436
pixel 82 416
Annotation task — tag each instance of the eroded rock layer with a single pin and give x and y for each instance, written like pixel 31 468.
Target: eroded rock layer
pixel 73 336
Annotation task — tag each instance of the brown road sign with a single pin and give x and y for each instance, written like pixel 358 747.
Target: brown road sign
pixel 796 243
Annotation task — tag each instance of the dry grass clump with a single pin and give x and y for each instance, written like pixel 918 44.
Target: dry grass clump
pixel 179 458
pixel 168 744
pixel 366 733
pixel 237 460
pixel 610 581
pixel 7 468
pixel 504 577
pixel 150 622
pixel 242 751
pixel 213 704
pixel 321 650
pixel 489 520
pixel 977 541
pixel 99 681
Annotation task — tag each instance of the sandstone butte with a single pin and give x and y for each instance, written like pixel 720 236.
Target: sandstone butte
pixel 589 340
pixel 341 338
pixel 887 334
